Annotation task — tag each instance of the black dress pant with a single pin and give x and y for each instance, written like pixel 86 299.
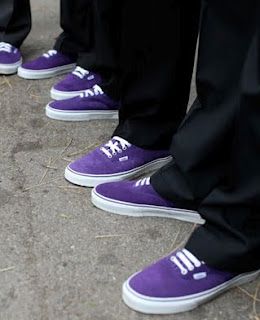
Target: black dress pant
pixel 76 19
pixel 103 53
pixel 158 42
pixel 89 33
pixel 15 21
pixel 217 157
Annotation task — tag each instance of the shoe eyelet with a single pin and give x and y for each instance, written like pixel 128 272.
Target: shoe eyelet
pixel 124 148
pixel 110 157
pixel 114 153
pixel 119 151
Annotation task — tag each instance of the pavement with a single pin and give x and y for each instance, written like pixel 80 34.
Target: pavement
pixel 61 258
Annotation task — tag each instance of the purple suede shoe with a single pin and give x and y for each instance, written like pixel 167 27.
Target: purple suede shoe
pixel 10 58
pixel 93 104
pixel 114 161
pixel 139 199
pixel 50 64
pixel 74 84
pixel 178 283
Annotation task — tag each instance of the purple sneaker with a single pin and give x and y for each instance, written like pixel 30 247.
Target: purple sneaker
pixel 74 84
pixel 178 283
pixel 10 58
pixel 50 64
pixel 93 104
pixel 114 161
pixel 139 199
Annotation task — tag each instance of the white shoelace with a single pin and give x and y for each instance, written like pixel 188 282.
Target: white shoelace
pixel 95 91
pixel 81 73
pixel 6 47
pixel 114 146
pixel 50 53
pixel 185 261
pixel 143 182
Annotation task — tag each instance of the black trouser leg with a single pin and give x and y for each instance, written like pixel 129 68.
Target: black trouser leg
pixel 76 22
pixel 157 55
pixel 106 42
pixel 90 32
pixel 216 168
pixel 104 53
pixel 15 21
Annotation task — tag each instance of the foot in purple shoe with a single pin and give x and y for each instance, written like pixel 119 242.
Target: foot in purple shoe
pixel 93 104
pixel 178 283
pixel 74 84
pixel 10 58
pixel 139 199
pixel 50 64
pixel 114 161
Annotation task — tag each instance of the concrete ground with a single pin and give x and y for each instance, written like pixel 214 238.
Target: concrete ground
pixel 60 258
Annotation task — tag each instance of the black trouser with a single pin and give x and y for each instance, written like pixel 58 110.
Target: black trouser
pixel 217 160
pixel 90 31
pixel 15 21
pixel 77 24
pixel 105 38
pixel 156 58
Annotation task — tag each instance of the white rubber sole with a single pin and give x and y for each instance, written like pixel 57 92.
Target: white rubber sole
pixel 45 74
pixel 142 210
pixel 80 115
pixel 11 68
pixel 94 180
pixel 64 95
pixel 150 305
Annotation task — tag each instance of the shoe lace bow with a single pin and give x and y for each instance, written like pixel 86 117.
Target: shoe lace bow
pixel 114 146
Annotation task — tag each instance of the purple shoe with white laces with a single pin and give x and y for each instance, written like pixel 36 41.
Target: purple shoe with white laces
pixel 178 283
pixel 74 84
pixel 139 199
pixel 116 160
pixel 10 58
pixel 50 64
pixel 93 104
